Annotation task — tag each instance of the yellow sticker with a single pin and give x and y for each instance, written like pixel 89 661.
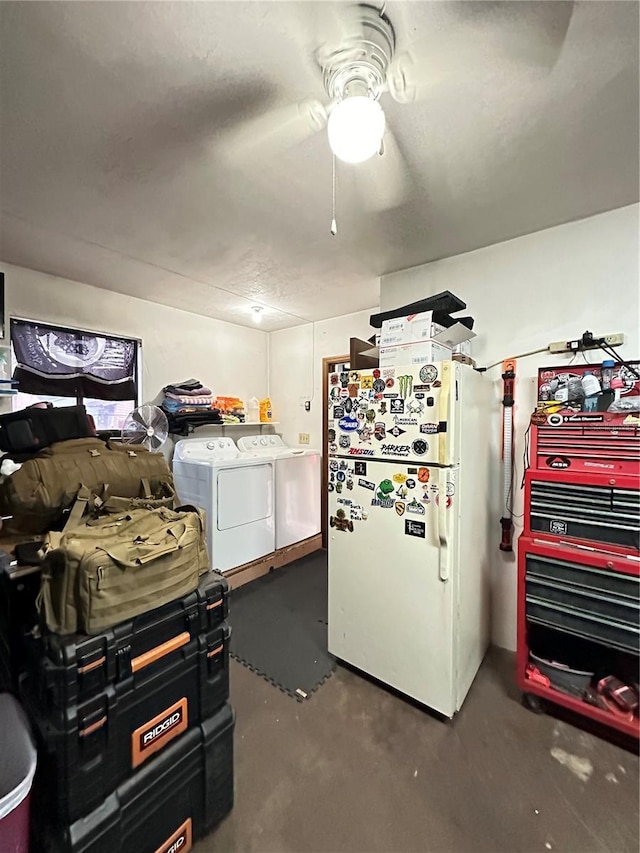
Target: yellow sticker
pixel 366 382
pixel 400 478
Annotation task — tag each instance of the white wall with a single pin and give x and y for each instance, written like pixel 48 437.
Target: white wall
pixel 525 293
pixel 176 345
pixel 296 370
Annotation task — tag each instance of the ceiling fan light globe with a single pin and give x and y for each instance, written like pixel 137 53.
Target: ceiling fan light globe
pixel 355 128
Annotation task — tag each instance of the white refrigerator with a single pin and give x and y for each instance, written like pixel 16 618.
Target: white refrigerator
pixel 409 536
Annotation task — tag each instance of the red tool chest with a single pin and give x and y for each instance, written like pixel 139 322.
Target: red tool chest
pixel 579 555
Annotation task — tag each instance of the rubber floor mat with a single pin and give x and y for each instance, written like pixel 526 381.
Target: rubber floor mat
pixel 279 626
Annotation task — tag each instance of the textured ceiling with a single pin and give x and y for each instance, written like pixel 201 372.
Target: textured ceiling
pixel 111 173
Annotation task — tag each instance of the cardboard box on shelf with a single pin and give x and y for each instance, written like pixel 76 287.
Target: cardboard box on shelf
pixel 408 330
pixel 420 352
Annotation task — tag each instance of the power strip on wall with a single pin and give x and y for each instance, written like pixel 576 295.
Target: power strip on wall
pixel 584 343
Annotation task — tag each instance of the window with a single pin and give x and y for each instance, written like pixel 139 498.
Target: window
pixel 65 366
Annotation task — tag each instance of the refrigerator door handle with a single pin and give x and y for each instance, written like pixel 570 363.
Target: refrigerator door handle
pixel 443 413
pixel 441 526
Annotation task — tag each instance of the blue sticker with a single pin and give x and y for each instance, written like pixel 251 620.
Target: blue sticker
pixel 348 424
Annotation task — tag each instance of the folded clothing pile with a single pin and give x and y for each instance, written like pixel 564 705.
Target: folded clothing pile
pixel 188 396
pixel 231 409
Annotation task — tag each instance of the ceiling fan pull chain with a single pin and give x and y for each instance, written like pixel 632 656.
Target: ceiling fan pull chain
pixel 334 226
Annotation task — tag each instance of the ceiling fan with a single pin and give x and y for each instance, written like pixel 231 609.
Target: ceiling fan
pixel 359 65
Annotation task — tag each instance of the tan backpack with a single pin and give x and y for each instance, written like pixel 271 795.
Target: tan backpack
pixel 101 571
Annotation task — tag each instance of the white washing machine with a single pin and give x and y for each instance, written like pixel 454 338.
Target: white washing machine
pixel 237 494
pixel 298 484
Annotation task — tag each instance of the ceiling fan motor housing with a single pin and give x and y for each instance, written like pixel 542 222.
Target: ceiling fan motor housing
pixel 359 66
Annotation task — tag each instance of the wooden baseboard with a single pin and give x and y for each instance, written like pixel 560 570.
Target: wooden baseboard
pixel 252 571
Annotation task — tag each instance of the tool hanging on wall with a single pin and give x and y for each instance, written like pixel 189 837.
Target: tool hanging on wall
pixel 508 400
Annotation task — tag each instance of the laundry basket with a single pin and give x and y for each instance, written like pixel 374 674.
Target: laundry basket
pixel 17 768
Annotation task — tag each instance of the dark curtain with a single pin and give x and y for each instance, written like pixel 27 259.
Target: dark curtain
pixel 63 362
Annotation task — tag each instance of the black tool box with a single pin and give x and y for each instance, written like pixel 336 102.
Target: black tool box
pixel 88 749
pixel 19 587
pixel 173 800
pixel 73 668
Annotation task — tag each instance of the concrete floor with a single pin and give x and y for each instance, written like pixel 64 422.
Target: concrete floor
pixel 355 768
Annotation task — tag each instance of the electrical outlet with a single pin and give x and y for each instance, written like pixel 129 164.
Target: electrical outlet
pixel 303 438
pixel 614 340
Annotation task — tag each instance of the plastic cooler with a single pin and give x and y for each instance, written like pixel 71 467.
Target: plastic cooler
pixel 89 748
pixel 167 805
pixel 17 769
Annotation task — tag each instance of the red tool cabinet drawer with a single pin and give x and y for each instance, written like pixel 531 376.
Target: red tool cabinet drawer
pixel 603 512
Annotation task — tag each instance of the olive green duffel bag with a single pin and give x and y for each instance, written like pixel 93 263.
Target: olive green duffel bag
pixel 101 571
pixel 37 494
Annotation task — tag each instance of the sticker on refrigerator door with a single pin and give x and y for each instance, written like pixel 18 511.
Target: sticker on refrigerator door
pixel 405 386
pixel 334 379
pixel 400 478
pixel 450 489
pixel 419 446
pixel 360 451
pixel 333 465
pixel 371 415
pixel 341 476
pixel 416 407
pixel 364 435
pixel 376 373
pixel 331 434
pixel 402 493
pixel 348 424
pixel 415 528
pixel 414 506
pixel 411 483
pixel 388 372
pixel 354 376
pixel 344 378
pixel 356 513
pixel 383 407
pixel 366 383
pixel 396 432
pixel 423 475
pixel 360 468
pixel 396 406
pixel 400 508
pixel 428 429
pixel 383 495
pixel 395 449
pixel 428 373
pixel 340 521
pixel 405 421
pixel 367 484
pixel 380 431
pixel 390 382
pixel 350 484
pixel 348 406
pixel 353 389
pixel 333 447
pixel 344 441
pixel 379 386
pixel 338 412
pixel 559 528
